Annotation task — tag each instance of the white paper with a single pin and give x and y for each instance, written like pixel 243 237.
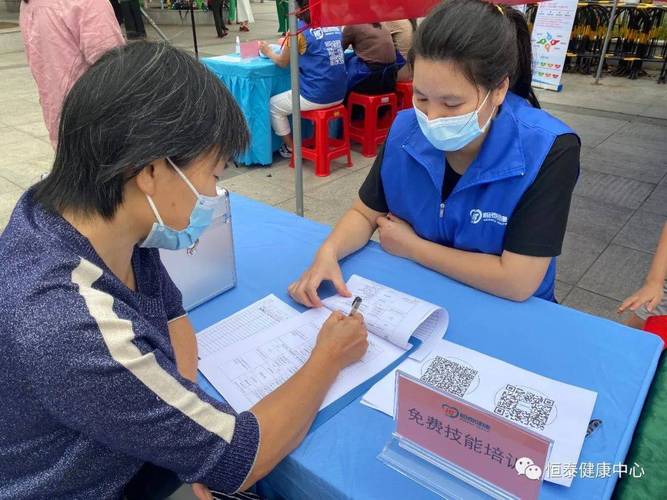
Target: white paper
pixel 250 369
pixel 394 316
pixel 255 318
pixel 483 380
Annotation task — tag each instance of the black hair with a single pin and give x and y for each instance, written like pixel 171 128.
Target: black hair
pixel 138 103
pixel 487 41
pixel 413 23
pixel 303 11
pixel 376 25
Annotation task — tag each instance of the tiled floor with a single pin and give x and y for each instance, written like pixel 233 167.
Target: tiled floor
pixel 619 206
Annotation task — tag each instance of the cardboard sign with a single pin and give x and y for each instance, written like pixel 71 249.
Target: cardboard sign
pixel 487 447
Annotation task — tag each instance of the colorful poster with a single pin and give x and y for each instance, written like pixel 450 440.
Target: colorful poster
pixel 550 38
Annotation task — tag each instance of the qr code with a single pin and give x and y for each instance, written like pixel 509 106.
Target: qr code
pixel 449 376
pixel 524 407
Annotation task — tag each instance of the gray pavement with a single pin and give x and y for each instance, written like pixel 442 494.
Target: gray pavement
pixel 619 206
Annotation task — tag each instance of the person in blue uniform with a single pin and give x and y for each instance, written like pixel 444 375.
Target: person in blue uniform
pixel 476 181
pixel 321 71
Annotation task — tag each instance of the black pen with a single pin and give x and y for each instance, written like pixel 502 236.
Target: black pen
pixel 355 305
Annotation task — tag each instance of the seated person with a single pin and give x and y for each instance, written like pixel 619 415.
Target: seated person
pixel 650 299
pixel 475 182
pixel 372 70
pixel 402 33
pixel 321 71
pixel 99 359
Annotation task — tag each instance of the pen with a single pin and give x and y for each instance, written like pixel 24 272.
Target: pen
pixel 355 305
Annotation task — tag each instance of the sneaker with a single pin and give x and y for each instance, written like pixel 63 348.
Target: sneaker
pixel 285 151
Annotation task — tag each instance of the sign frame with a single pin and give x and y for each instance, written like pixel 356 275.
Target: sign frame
pixel 422 446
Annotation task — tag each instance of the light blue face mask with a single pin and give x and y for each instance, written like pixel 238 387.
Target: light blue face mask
pixel 454 132
pixel 162 236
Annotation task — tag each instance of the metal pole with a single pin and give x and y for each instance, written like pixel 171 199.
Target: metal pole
pixel 194 30
pixel 605 45
pixel 296 108
pixel 154 25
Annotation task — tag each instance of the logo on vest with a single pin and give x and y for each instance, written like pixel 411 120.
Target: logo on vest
pixel 477 216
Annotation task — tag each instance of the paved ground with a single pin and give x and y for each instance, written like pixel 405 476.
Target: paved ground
pixel 619 205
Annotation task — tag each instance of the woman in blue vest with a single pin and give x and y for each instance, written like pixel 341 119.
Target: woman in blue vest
pixel 321 71
pixel 475 182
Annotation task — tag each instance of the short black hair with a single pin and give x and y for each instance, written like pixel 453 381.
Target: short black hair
pixel 138 103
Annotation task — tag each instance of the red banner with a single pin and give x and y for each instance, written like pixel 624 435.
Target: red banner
pixel 344 12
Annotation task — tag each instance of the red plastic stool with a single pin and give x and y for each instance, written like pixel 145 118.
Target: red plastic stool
pixel 371 130
pixel 404 92
pixel 657 325
pixel 320 148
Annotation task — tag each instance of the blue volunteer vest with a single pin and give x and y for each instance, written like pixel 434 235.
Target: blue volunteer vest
pixel 322 73
pixel 475 216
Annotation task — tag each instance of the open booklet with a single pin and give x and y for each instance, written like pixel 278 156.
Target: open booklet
pixel 245 368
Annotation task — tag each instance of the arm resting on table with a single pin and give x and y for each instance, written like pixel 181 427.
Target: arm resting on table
pixel 510 275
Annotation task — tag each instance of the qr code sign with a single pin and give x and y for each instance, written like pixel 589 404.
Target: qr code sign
pixel 524 407
pixel 449 376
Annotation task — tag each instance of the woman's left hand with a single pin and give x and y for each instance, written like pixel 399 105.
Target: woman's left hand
pixel 397 236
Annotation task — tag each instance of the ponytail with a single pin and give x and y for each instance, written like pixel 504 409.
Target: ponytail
pixel 523 85
pixel 487 42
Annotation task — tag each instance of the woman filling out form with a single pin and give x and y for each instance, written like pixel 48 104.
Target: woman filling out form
pixel 475 182
pixel 98 381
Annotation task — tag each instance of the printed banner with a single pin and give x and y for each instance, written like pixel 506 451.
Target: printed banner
pixel 344 12
pixel 550 38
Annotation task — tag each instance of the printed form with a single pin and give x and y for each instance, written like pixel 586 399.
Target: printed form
pixel 253 352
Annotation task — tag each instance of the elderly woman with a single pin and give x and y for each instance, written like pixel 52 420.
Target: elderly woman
pixel 98 388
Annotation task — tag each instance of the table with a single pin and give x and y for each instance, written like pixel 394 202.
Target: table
pixel 253 82
pixel 338 459
pixel 648 444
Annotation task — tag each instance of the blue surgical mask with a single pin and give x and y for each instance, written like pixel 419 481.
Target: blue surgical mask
pixel 454 132
pixel 162 236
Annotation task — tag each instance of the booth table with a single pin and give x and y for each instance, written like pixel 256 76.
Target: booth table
pixel 338 458
pixel 253 82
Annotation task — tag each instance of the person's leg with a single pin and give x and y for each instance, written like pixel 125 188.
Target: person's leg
pixel 217 17
pixel 138 18
pixel 152 483
pixel 280 107
pixel 282 7
pixel 117 11
pixel 128 19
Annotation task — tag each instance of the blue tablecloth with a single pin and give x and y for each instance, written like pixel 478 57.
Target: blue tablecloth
pixel 338 459
pixel 253 82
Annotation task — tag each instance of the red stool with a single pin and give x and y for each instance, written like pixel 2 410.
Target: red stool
pixel 404 92
pixel 371 130
pixel 657 325
pixel 320 148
